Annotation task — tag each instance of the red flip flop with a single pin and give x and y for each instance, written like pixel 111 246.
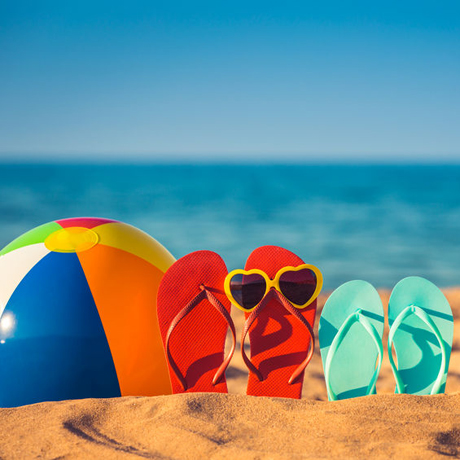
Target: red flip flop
pixel 194 316
pixel 281 336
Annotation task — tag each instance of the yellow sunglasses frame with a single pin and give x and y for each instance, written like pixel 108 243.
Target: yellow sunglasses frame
pixel 274 283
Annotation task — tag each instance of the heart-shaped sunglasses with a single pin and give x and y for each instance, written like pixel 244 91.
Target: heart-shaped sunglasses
pixel 300 285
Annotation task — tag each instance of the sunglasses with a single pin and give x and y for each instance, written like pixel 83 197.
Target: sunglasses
pixel 300 285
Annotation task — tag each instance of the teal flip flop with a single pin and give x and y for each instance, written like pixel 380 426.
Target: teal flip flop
pixel 350 338
pixel 421 331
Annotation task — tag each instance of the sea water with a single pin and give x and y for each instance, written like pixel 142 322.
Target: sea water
pixel 377 223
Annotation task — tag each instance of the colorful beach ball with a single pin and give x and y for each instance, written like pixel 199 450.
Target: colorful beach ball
pixel 78 313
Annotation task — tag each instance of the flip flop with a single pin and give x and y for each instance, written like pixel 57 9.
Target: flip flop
pixel 350 337
pixel 281 336
pixel 421 330
pixel 194 316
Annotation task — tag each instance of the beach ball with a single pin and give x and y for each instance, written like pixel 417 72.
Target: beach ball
pixel 78 313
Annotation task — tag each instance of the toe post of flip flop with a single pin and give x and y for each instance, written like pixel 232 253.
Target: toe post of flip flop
pixel 194 317
pixel 350 336
pixel 421 334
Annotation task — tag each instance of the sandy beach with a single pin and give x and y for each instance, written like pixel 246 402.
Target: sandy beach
pixel 192 426
pixel 157 153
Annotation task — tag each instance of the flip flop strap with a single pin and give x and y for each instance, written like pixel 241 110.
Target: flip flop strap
pixel 204 294
pixel 356 316
pixel 419 312
pixel 295 312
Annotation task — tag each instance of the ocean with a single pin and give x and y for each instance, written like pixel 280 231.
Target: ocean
pixel 377 223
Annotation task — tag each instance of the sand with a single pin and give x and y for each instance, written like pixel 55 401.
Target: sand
pixel 195 426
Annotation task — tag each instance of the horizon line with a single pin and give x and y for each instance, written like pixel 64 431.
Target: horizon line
pixel 229 158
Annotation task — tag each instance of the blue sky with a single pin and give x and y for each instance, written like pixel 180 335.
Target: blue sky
pixel 328 80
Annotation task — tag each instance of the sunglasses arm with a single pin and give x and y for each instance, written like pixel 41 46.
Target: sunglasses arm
pixel 301 368
pixel 247 325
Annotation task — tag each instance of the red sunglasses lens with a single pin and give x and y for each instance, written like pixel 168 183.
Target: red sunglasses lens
pixel 298 286
pixel 248 290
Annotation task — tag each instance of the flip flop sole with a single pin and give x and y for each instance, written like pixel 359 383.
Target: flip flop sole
pixel 278 341
pixel 198 341
pixel 353 365
pixel 418 353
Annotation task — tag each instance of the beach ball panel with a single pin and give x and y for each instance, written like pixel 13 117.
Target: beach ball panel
pixel 15 266
pixel 33 377
pixel 131 239
pixel 71 358
pixel 52 298
pixel 88 222
pixel 37 235
pixel 127 307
